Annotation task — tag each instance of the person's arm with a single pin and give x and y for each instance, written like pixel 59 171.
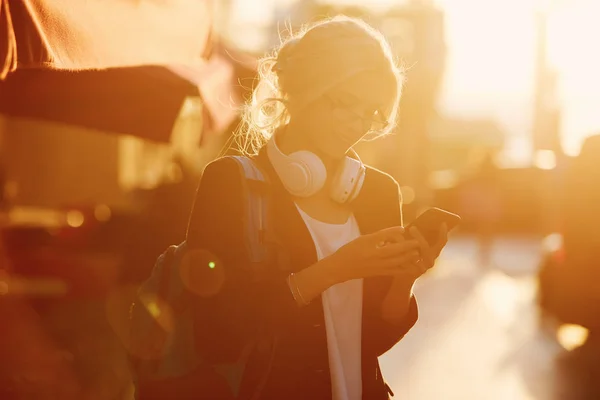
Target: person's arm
pixel 243 299
pixel 396 311
pixel 396 315
pixel 396 304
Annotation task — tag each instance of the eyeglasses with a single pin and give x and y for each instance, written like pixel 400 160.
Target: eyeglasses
pixel 354 111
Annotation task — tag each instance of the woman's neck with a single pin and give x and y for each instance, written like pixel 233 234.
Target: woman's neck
pixel 291 139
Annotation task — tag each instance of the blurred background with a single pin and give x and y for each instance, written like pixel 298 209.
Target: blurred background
pixel 110 109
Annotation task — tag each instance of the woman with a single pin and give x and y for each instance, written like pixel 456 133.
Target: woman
pixel 345 296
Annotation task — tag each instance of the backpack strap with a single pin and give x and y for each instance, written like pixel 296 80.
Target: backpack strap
pixel 256 209
pixel 261 246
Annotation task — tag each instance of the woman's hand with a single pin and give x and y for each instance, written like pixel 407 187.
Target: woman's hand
pixel 396 303
pixel 428 252
pixel 381 253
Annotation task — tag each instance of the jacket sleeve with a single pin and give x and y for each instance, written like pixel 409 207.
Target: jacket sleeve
pixel 386 335
pixel 240 298
pixel 382 334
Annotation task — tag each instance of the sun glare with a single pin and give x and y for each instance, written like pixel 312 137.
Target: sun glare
pixel 573 27
pixel 491 61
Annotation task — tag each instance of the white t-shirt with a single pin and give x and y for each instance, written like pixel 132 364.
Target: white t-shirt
pixel 342 308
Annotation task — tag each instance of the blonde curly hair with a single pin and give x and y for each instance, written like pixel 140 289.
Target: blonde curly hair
pixel 306 66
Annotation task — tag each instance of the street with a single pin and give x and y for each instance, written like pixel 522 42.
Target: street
pixel 477 335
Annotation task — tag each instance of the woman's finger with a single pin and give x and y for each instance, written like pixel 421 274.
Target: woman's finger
pixel 425 265
pixel 393 234
pixel 416 268
pixel 398 262
pixel 392 250
pixel 415 233
pixel 411 270
pixel 410 258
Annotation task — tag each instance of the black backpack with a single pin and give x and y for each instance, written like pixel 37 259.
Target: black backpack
pixel 164 362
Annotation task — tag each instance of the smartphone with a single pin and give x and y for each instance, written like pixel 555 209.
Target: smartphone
pixel 430 221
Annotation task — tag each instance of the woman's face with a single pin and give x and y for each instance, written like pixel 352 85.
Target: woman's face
pixel 341 117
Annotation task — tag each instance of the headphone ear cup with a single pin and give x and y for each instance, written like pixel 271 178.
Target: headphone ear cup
pixel 308 174
pixel 348 180
pixel 302 173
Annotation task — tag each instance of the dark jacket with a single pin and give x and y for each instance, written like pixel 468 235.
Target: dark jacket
pixel 249 299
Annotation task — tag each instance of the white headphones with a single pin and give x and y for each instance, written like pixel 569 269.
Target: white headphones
pixel 303 173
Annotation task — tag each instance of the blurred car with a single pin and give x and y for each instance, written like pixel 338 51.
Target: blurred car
pixel 552 265
pixel 569 277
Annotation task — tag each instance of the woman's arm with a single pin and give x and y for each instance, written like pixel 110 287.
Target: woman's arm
pixel 246 299
pixel 396 304
pixel 395 311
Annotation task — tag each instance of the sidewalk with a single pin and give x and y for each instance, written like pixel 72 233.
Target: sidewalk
pixel 477 337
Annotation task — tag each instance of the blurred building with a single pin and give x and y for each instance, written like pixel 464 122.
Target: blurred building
pixel 456 141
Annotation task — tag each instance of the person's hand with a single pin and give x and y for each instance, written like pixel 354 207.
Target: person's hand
pixel 428 252
pixel 382 253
